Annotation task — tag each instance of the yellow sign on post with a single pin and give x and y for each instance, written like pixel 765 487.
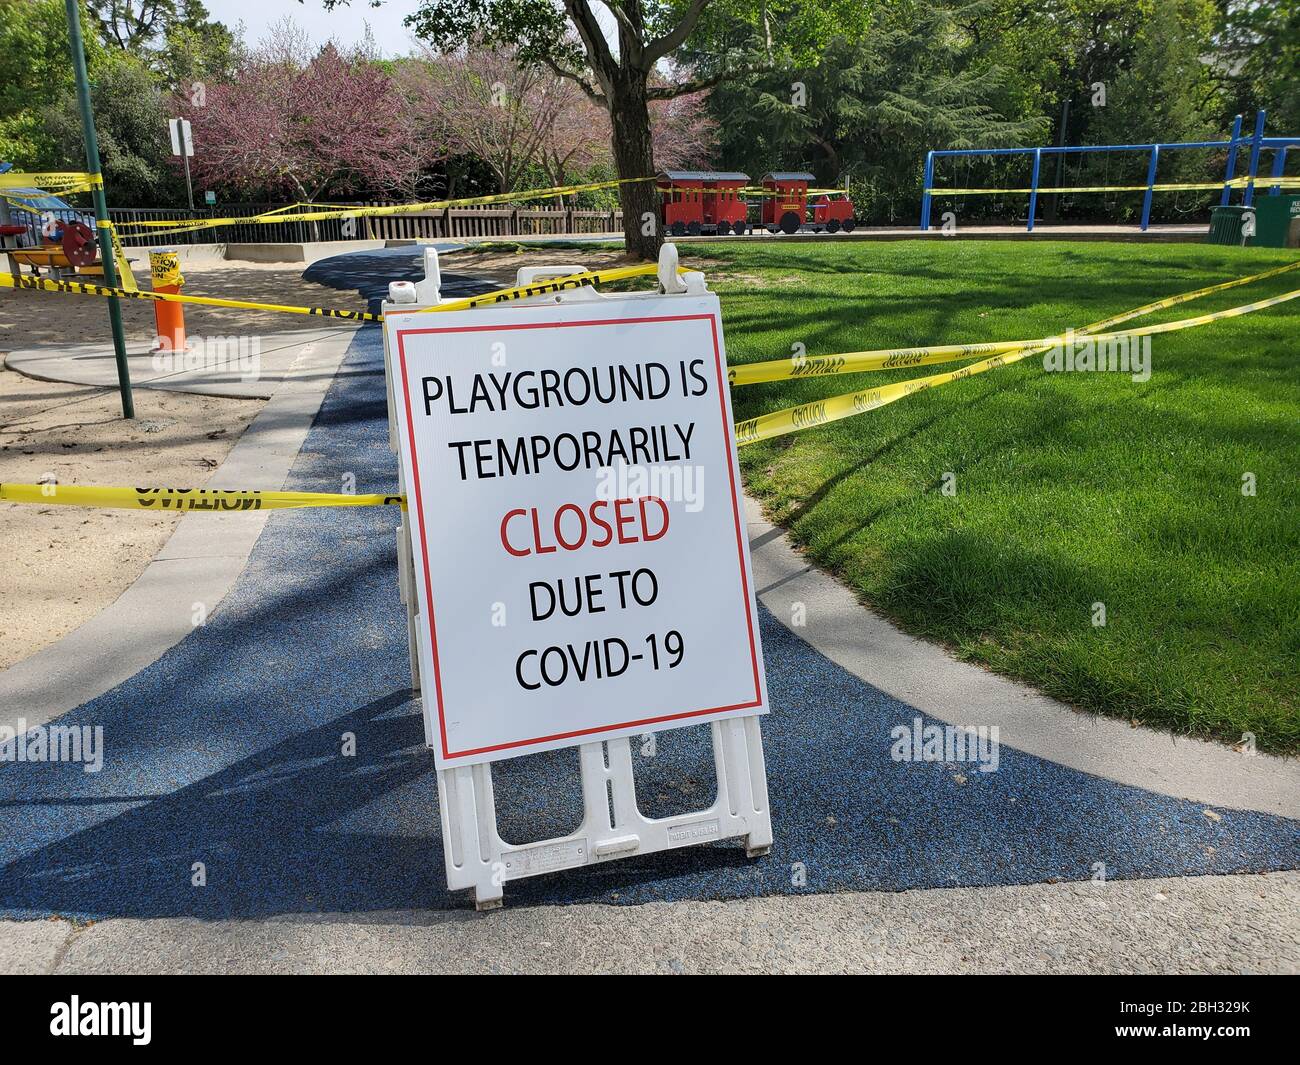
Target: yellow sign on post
pixel 165 268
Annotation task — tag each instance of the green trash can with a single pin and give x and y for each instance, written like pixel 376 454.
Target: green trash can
pixel 1226 225
pixel 1277 222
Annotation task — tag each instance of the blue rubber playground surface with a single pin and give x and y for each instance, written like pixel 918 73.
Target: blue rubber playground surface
pixel 369 272
pixel 226 751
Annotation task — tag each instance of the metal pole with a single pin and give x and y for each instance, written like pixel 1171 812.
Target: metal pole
pixel 1279 166
pixel 101 205
pixel 1255 146
pixel 1232 163
pixel 1033 195
pixel 927 181
pixel 189 185
pixel 1151 180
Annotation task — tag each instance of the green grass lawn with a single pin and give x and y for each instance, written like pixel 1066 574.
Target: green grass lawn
pixel 1071 488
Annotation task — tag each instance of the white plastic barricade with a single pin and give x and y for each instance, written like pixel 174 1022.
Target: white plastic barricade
pixel 573 559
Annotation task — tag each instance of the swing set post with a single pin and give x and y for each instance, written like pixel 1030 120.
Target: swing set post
pixel 1033 186
pixel 927 181
pixel 1231 168
pixel 1256 143
pixel 1151 180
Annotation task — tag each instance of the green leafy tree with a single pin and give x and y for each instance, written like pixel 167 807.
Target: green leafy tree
pixel 35 70
pixel 40 128
pixel 623 75
pixel 1257 59
pixel 195 48
pixel 909 80
pixel 1087 52
pixel 131 122
pixel 176 38
pixel 1117 72
pixel 1165 92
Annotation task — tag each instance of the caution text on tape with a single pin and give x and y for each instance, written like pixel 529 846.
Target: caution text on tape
pixel 170 500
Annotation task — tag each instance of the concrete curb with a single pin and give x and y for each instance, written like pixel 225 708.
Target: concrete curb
pixel 1194 924
pixel 199 563
pixel 932 680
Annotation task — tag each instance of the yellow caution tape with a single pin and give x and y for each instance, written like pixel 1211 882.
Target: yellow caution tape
pixel 314 213
pixel 160 500
pixel 125 276
pixel 1198 186
pixel 758 190
pixel 1195 294
pixel 1184 323
pixel 752 430
pixel 819 412
pixel 44 284
pixel 802 367
pixel 835 408
pixel 504 295
pixel 53 183
pixel 543 287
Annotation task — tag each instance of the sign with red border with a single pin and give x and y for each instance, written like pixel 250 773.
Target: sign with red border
pixel 577 527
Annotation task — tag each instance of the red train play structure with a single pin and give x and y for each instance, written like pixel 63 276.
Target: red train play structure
pixel 701 202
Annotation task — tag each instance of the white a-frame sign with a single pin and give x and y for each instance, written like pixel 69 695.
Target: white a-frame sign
pixel 573 558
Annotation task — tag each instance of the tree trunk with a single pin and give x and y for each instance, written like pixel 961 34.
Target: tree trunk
pixel 634 158
pixel 829 172
pixel 309 197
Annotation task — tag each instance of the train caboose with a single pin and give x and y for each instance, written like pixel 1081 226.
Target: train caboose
pixel 699 202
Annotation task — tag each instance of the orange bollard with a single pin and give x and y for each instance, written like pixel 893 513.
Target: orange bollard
pixel 169 318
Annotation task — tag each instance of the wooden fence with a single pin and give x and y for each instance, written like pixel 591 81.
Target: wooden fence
pixel 452 223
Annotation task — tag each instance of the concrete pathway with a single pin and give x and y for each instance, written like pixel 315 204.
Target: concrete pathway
pixel 237 367
pixel 198 564
pixel 1205 924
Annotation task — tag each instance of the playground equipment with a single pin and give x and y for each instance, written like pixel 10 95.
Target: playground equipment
pixel 785 205
pixel 699 201
pixel 1257 143
pixel 68 247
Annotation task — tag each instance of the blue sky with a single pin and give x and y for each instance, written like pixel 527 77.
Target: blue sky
pixel 344 23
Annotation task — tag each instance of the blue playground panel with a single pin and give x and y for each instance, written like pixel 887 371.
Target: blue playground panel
pixel 226 751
